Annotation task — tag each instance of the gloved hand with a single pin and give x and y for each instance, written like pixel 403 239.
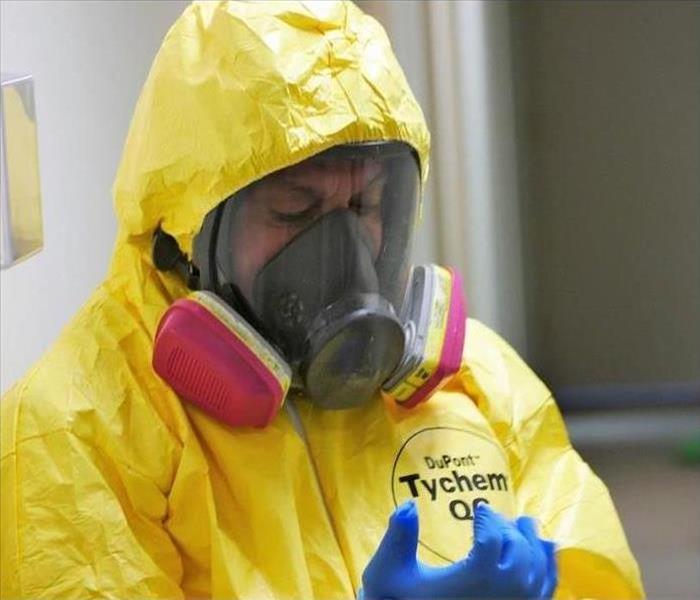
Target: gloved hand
pixel 508 560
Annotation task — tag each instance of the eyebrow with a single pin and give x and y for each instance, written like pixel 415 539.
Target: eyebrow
pixel 317 197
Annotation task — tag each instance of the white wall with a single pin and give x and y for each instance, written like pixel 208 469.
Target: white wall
pixel 89 60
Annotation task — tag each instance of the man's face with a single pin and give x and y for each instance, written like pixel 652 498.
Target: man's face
pixel 279 207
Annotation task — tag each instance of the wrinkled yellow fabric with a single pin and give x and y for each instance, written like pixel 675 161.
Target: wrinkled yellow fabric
pixel 113 487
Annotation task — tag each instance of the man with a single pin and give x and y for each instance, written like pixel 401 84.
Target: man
pixel 274 164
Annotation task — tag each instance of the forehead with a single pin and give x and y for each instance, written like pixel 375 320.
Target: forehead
pixel 322 172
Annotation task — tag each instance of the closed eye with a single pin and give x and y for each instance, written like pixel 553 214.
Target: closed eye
pixel 305 197
pixel 296 217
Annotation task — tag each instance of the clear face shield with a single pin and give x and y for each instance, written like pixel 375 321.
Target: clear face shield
pixel 317 257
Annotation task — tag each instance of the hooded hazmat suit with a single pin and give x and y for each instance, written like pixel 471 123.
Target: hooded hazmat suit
pixel 112 486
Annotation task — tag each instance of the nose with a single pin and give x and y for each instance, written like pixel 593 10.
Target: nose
pixel 340 185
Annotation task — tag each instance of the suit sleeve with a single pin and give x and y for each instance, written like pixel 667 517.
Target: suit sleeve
pixel 551 481
pixel 76 520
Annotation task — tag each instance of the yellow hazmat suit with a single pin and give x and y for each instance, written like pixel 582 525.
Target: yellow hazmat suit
pixel 112 486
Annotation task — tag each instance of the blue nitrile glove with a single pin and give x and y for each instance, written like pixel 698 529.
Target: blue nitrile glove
pixel 508 560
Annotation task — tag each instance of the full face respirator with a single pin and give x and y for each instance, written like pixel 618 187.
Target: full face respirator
pixel 303 285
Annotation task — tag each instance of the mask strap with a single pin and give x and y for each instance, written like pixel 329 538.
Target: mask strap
pixel 167 256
